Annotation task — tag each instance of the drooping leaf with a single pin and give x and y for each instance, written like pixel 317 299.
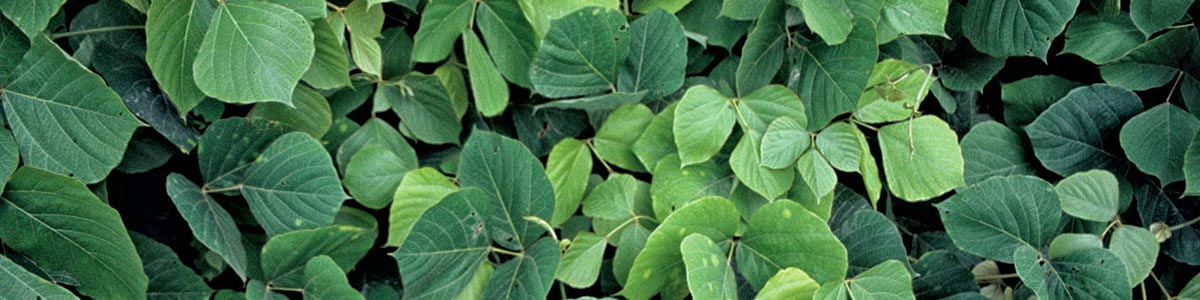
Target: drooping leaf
pixel 1070 136
pixel 42 214
pixel 783 235
pixel 581 54
pixel 1138 250
pixel 170 54
pixel 65 119
pixel 1004 28
pixel 441 23
pixel 710 272
pixel 446 247
pixel 990 150
pixel 613 141
pixel 762 54
pixel 515 183
pixel 253 41
pixel 325 280
pixel 211 224
pixel 703 121
pixel 329 68
pixel 1093 273
pixel 1157 139
pixel 657 56
pixel 1156 62
pixel 921 158
pixel 995 217
pixel 1090 195
pixel 526 277
pixel 580 266
pixel 660 264
pixel 373 176
pixel 293 185
pixel 169 278
pixel 32 16
pixel 490 90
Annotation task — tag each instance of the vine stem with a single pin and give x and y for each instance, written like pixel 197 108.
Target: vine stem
pixel 1166 294
pixel 600 158
pixel 1185 224
pixel 96 30
pixel 1174 86
pixel 995 277
pixel 235 187
pixel 502 251
pixel 626 223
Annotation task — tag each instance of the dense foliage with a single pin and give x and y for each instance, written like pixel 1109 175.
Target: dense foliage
pixel 531 149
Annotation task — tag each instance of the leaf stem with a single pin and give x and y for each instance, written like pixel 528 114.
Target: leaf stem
pixel 863 124
pixel 96 30
pixel 627 222
pixel 1165 293
pixel 1115 221
pixel 494 249
pixel 995 277
pixel 598 157
pixel 1174 86
pixel 544 224
pixel 1185 224
pixel 206 190
pixel 275 288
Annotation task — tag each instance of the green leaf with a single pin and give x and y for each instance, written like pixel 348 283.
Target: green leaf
pixel 818 175
pixel 660 266
pixel 832 20
pixel 709 268
pixel 376 132
pixel 1084 274
pixel 703 121
pixel 1090 195
pixel 762 54
pixel 790 283
pixel 615 198
pixel 42 214
pixel 1025 99
pixel 13 45
pixel 257 290
pixel 211 224
pixel 995 217
pixel 870 239
pixel 676 186
pixel 310 9
pixel 895 88
pixel 757 110
pixel 474 289
pixel 746 164
pixel 704 17
pixel 373 176
pixel 510 37
pixel 580 265
pixel 541 12
pixel 1154 63
pixel 8 156
pixel 423 103
pixel 967 70
pixel 1191 166
pixel 32 16
pixel 1068 243
pixel 1191 291
pixel 22 284
pixel 649 6
pixel 1003 28
pixel 888 280
pixel 784 234
pixel 657 56
pixel 831 78
pixel 65 119
pixel 839 144
pixel 581 54
pixel 329 68
pixel 252 41
pixel 921 158
pixel 783 143
pixel 364 22
pixel 310 112
pixel 658 140
pixel 456 87
pixel 293 185
pixel 991 150
pixel 913 17
pixel 613 143
pixel 169 277
pixel 528 276
pixel 1138 250
pixel 1101 38
pixel 397 48
pixel 131 79
pixel 1157 139
pixel 441 23
pixel 327 281
pixel 171 54
pixel 568 167
pixel 284 256
pixel 515 183
pixel 1076 133
pixel 418 191
pixel 742 9
pixel 941 275
pixel 490 90
pixel 446 247
pixel 1152 16
pixel 230 145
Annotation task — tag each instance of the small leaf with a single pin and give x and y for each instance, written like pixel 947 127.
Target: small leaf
pixel 658 140
pixel 676 186
pixel 1157 139
pixel 995 217
pixel 832 20
pixel 418 191
pixel 172 55
pixel 1090 195
pixel 613 140
pixel 490 90
pixel 913 17
pixel 783 143
pixel 423 103
pixel 762 54
pixel 580 266
pixel 709 268
pixel 703 121
pixel 510 36
pixel 839 144
pixel 327 281
pixel 364 22
pixel 253 41
pixel 211 224
pixel 1138 250
pixel 330 68
pixel 921 158
pixel 376 132
pixel 895 88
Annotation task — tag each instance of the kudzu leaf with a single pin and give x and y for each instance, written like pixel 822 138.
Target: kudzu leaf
pixel 131 79
pixel 746 164
pixel 790 283
pixel 474 289
pixel 325 280
pixel 660 267
pixel 376 132
pixel 106 13
pixel 629 245
pixel 211 224
pixel 456 88
pixel 832 20
pixel 65 119
pixel 33 16
pixel 1154 205
pixel 309 112
pixel 418 191
pixel 511 37
pixel 657 56
pixel 1191 291
pixel 670 6
pixel 364 22
pixel 515 183
pixel 1069 243
pixel 675 186
pixel 169 277
pixel 541 12
pixel 613 141
pixel 870 239
pixel 967 70
pixel 568 167
pixel 921 158
pixel 284 256
pixel 581 54
pixel 704 17
pixel 783 143
pixel 229 145
pixel 595 103
pixel 1025 99
pixel 1004 28
pixel 397 48
pixel 13 45
pixel 762 54
pixel 894 89
pixel 742 9
pixel 1090 195
pixel 330 68
pixel 1076 133
pixel 990 150
pixel 1152 16
pixel 912 17
pixel 526 277
pixel 703 121
pixel 447 245
pixel 1191 166
pixel 1138 250
pixel 615 199
pixel 490 90
pixel 831 78
pixel 293 185
pixel 310 9
pixel 1089 273
pixel 839 144
pixel 658 140
pixel 709 268
pixel 1157 139
pixel 888 280
pixel 8 156
pixel 995 217
pixel 941 275
pixel 757 110
pixel 171 55
pixel 818 175
pixel 441 23
pixel 580 266
pixel 257 290
pixel 1154 63
pixel 253 41
pixel 23 284
pixel 784 234
pixel 42 214
pixel 373 176
pixel 424 107
pixel 1101 38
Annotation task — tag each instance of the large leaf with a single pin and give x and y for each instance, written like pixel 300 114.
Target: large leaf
pixel 1157 139
pixel 888 280
pixel 568 167
pixel 19 283
pixel 130 78
pixel 174 31
pixel 490 90
pixel 441 23
pixel 762 54
pixel 170 279
pixel 832 20
pixel 831 78
pixel 913 17
pixel 13 45
pixel 703 121
pixel 293 185
pixel 657 56
pixel 870 239
pixel 1003 28
pixel 376 132
pixel 1090 195
pixel 528 276
pixel 373 176
pixel 515 183
pixel 424 107
pixel 1025 99
pixel 1076 133
pixel 230 145
pixel 921 158
pixel 211 224
pixel 660 266
pixel 676 186
pixel 418 191
pixel 447 245
pixel 1101 38
pixel 329 68
pixel 995 217
pixel 327 281
pixel 709 268
pixel 783 235
pixel 581 54
pixel 65 119
pixel 43 217
pixel 990 150
pixel 31 16
pixel 1154 15
pixel 284 256
pixel 510 36
pixel 1138 250
pixel 253 41
pixel 1156 62
pixel 1092 273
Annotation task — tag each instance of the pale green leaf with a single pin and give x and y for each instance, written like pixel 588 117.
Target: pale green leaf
pixel 832 20
pixel 365 23
pixel 783 143
pixel 526 277
pixel 19 283
pixel 1138 250
pixel 658 140
pixel 762 54
pixel 568 167
pixel 894 89
pixel 376 132
pixel 419 190
pixel 490 90
pixel 703 121
pixel 888 280
pixel 310 9
pixel 790 283
pixel 31 16
pixel 580 265
pixel 921 158
pixel 309 112
pixel 839 144
pixel 615 199
pixel 831 78
pixel 670 6
pixel 613 141
pixel 675 186
pixel 660 266
pixel 253 41
pixel 1090 195
pixel 818 175
pixel 1157 139
pixel 474 289
pixel 1101 38
pixel 510 37
pixel 783 235
pixel 710 273
pixel 541 12
pixel 913 17
pixel 441 23
pixel 746 164
pixel 330 68
pixel 174 31
pixel 327 281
